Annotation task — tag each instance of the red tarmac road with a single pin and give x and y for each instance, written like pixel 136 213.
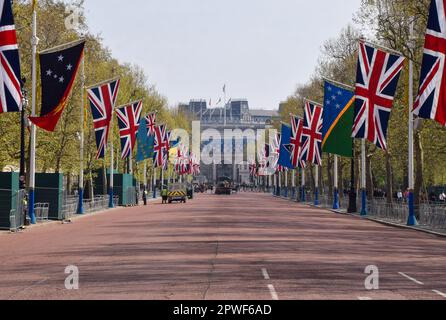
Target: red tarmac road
pixel 246 246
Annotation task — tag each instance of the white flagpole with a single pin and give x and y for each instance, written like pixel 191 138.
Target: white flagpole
pixel 363 180
pixel 336 183
pixel 303 186
pixel 280 185
pixel 32 165
pixel 293 183
pixel 286 184
pixel 110 191
pixel 316 186
pixel 80 208
pixel 412 221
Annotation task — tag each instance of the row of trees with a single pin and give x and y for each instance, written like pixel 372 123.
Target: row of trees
pixel 388 21
pixel 58 151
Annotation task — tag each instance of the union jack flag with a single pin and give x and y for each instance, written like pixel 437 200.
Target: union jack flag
pixel 431 100
pixel 275 150
pixel 102 100
pixel 295 147
pixel 128 121
pixel 312 134
pixel 10 85
pixel 151 123
pixel 377 79
pixel 161 146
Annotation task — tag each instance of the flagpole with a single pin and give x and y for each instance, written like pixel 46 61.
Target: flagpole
pixel 336 191
pixel 412 221
pixel 112 160
pixel 303 196
pixel 286 184
pixel 293 184
pixel 32 166
pixel 154 182
pixel 80 208
pixel 363 180
pixel 316 186
pixel 279 189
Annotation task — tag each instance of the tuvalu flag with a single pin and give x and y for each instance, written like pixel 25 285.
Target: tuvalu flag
pixel 58 69
pixel 338 117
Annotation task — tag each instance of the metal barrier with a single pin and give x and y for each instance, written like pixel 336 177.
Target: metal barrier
pixel 99 203
pixel 41 211
pixel 131 197
pixel 17 215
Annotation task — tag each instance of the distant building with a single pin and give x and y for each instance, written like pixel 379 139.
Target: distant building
pixel 238 116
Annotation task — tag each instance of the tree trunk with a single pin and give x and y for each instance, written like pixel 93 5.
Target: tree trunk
pixel 389 180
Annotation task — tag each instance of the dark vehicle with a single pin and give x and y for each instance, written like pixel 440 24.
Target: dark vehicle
pixel 225 185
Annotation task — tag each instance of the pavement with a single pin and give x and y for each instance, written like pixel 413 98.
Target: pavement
pixel 248 246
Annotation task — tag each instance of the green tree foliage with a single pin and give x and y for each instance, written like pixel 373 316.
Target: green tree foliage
pixel 59 151
pixel 385 22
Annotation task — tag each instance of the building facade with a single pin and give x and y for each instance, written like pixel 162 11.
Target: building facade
pixel 236 115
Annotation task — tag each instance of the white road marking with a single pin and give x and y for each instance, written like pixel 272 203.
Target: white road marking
pixel 265 274
pixel 410 278
pixel 364 298
pixel 440 293
pixel 273 292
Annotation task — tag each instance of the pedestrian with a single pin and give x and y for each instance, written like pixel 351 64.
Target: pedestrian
pixel 400 196
pixel 164 194
pixel 144 196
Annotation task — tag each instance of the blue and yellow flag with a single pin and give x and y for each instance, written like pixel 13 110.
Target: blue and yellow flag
pixel 145 142
pixel 338 121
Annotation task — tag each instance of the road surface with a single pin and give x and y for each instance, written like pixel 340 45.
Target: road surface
pixel 246 246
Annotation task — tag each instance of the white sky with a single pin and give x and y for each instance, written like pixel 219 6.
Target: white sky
pixel 189 48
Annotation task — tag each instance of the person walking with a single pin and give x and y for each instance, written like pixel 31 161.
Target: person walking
pixel 144 196
pixel 164 194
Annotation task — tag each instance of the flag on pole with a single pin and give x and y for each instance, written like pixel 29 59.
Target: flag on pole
pixel 151 123
pixel 284 154
pixel 295 146
pixel 338 114
pixel 10 80
pixel 431 100
pixel 275 150
pixel 312 134
pixel 58 69
pixel 376 83
pixel 128 121
pixel 102 100
pixel 161 146
pixel 145 142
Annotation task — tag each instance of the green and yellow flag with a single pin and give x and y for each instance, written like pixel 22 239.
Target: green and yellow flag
pixel 338 121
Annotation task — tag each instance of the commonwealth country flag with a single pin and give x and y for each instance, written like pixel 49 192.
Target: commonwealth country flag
pixel 338 121
pixel 145 142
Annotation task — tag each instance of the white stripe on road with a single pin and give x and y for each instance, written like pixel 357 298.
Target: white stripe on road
pixel 410 278
pixel 265 274
pixel 364 298
pixel 440 293
pixel 273 292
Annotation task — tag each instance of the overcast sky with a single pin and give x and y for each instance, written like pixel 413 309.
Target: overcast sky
pixel 261 49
